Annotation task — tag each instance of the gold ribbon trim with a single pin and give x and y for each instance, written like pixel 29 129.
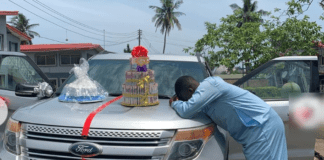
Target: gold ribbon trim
pixel 128 95
pixel 142 81
pixel 144 98
pixel 137 80
pixel 149 104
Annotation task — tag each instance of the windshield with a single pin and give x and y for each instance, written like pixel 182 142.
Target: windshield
pixel 111 74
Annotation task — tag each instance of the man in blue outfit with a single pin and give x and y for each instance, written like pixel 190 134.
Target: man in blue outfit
pixel 247 118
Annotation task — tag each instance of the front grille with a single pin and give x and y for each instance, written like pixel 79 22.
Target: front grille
pixel 93 133
pixel 50 142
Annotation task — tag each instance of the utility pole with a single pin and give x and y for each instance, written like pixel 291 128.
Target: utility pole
pixel 139 36
pixel 104 39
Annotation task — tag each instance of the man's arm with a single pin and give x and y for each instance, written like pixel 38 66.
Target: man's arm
pixel 203 95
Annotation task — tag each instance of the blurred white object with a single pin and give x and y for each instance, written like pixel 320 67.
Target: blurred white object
pixel 306 111
pixel 3 111
pixel 43 90
pixel 83 89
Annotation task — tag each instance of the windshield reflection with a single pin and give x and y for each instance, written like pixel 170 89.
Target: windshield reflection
pixel 111 74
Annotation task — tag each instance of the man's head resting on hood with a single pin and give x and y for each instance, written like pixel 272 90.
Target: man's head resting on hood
pixel 185 86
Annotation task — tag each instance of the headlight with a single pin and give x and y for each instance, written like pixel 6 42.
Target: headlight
pixel 188 143
pixel 11 139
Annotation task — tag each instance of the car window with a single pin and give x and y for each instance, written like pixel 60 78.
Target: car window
pixel 111 74
pixel 14 70
pixel 280 80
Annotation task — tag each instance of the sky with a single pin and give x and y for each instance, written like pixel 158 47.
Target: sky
pixel 121 19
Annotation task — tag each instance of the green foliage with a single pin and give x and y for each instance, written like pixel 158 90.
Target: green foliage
pixel 22 24
pixel 245 11
pixel 166 17
pixel 256 42
pixel 223 72
pixel 235 72
pixel 266 92
pixel 127 50
pixel 296 6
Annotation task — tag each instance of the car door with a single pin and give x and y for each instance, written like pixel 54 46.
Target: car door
pixel 271 83
pixel 13 70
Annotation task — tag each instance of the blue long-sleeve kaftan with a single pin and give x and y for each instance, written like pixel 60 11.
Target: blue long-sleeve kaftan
pixel 247 118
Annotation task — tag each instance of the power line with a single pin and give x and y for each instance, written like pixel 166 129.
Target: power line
pixel 72 19
pixel 145 39
pixel 172 44
pixel 63 20
pixel 49 8
pixel 123 42
pixel 131 36
pixel 147 48
pixel 52 39
pixel 55 23
pixel 176 39
pixel 79 23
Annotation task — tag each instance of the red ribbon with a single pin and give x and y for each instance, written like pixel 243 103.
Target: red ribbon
pixel 88 121
pixel 5 100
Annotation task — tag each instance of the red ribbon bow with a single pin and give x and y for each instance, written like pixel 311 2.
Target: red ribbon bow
pixel 139 51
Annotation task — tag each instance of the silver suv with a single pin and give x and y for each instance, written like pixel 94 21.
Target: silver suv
pixel 18 70
pixel 52 130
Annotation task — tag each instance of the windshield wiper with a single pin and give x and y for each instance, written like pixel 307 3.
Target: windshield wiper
pixel 164 96
pixel 115 94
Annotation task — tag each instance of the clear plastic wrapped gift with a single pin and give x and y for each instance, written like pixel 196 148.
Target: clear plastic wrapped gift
pixel 83 89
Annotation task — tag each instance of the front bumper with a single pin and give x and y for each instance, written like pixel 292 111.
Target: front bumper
pixel 215 148
pixel 4 154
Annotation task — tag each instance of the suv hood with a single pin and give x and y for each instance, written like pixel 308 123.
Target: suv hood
pixel 114 116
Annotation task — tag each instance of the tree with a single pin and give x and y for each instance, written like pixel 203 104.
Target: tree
pixel 22 24
pixel 165 17
pixel 127 50
pixel 245 11
pixel 249 42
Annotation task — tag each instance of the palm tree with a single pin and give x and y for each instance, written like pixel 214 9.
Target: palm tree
pixel 248 8
pixel 22 24
pixel 165 17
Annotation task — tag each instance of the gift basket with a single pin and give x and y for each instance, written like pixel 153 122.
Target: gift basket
pixel 83 89
pixel 140 88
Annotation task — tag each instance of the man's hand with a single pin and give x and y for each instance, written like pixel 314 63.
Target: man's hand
pixel 174 98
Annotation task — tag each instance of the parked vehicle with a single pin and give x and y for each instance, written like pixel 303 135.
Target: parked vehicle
pixel 51 129
pixel 267 82
pixel 18 69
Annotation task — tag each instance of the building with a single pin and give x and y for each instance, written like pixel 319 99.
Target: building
pixel 10 37
pixel 56 60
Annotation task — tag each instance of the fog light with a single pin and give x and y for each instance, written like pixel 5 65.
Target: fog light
pixel 186 149
pixel 11 139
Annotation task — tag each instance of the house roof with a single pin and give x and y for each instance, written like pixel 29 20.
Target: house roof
pixel 18 33
pixel 7 13
pixel 59 47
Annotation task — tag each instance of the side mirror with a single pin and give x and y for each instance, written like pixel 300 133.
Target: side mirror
pixel 25 90
pixel 43 90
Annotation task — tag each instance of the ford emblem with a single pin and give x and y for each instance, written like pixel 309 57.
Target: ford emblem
pixel 84 149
